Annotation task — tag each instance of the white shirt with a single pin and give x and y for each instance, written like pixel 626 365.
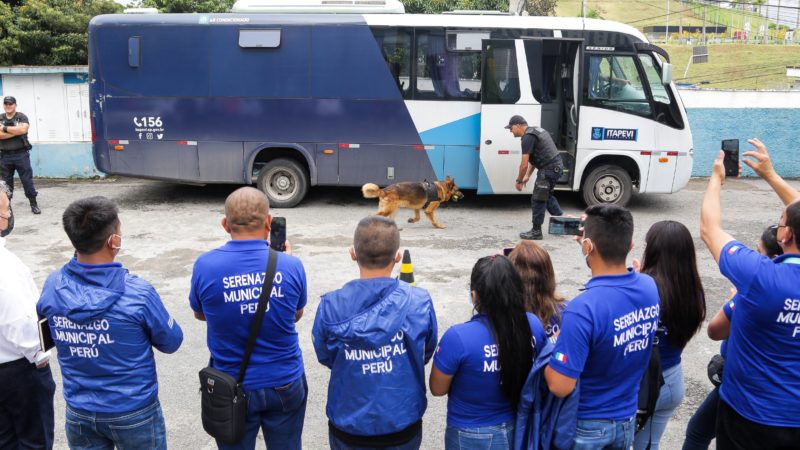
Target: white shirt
pixel 19 333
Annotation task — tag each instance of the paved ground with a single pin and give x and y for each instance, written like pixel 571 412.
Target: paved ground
pixel 167 226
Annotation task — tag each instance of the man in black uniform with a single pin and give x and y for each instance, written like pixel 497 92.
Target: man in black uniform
pixel 15 150
pixel 538 152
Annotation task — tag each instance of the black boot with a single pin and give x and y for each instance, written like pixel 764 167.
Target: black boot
pixel 534 234
pixel 34 206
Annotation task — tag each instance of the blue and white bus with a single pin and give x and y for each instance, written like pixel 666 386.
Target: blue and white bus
pixel 292 100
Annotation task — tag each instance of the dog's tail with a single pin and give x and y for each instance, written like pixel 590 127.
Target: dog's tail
pixel 371 190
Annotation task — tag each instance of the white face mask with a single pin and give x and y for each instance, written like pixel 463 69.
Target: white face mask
pixel 586 256
pixel 110 243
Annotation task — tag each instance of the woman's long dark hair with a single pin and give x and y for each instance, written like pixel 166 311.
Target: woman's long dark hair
pixel 538 281
pixel 498 289
pixel 669 257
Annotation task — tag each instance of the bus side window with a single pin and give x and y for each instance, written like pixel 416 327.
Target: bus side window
pixel 501 80
pixel 445 74
pixel 395 46
pixel 614 83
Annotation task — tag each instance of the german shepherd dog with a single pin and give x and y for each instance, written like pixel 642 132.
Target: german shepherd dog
pixel 417 196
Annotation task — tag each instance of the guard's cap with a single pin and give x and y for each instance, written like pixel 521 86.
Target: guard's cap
pixel 515 120
pixel 9 99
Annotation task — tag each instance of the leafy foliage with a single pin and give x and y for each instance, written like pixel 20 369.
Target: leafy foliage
pixel 535 7
pixel 189 6
pixel 542 7
pixel 48 32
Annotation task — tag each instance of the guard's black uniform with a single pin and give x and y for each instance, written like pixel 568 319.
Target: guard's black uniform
pixel 544 155
pixel 15 156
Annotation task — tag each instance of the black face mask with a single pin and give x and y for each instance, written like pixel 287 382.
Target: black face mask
pixel 8 230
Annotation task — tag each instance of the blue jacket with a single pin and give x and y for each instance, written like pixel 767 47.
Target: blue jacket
pixel 376 335
pixel 545 421
pixel 105 322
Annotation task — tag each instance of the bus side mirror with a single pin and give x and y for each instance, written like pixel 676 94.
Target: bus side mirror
pixel 666 73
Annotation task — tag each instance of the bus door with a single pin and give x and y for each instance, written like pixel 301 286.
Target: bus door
pixel 554 66
pixel 505 91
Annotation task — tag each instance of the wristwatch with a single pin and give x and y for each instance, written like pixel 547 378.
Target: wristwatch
pixel 519 181
pixel 5 129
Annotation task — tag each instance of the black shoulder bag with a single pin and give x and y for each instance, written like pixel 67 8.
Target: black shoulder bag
pixel 649 391
pixel 223 403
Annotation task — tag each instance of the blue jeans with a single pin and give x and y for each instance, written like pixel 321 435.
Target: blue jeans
pixel 413 444
pixel 702 428
pixel 669 398
pixel 495 437
pixel 546 180
pixel 143 428
pixel 279 412
pixel 604 434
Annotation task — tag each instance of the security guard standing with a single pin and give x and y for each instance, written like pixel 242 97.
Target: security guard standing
pixel 538 151
pixel 15 150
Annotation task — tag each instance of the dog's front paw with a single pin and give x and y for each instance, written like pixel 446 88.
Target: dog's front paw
pixel 438 225
pixel 412 220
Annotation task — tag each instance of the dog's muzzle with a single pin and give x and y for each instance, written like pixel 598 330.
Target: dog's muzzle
pixel 457 196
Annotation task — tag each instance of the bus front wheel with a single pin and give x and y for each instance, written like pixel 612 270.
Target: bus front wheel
pixel 284 181
pixel 607 184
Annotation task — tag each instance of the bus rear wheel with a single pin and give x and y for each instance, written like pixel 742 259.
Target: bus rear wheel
pixel 284 181
pixel 607 184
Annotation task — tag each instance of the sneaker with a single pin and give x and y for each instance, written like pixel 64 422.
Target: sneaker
pixel 532 235
pixel 35 207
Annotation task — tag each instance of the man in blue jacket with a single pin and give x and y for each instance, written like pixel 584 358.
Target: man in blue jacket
pixel 226 286
pixel 759 403
pixel 105 323
pixel 606 334
pixel 375 334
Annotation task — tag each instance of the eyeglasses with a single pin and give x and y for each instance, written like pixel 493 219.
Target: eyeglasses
pixel 774 228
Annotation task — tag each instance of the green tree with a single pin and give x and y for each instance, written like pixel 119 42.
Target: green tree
pixel 8 42
pixel 542 7
pixel 49 32
pixel 439 6
pixel 189 6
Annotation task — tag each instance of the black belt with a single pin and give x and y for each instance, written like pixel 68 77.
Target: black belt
pixel 384 440
pixel 17 362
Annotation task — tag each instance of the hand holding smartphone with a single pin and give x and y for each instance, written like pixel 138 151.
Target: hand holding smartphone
pixel 277 234
pixel 731 149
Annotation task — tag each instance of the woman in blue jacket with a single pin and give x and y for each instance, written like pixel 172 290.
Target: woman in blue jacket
pixel 669 257
pixel 482 398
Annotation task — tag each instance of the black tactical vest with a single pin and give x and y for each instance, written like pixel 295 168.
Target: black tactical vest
pixel 545 153
pixel 15 143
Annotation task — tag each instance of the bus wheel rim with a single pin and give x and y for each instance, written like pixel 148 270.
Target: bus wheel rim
pixel 608 189
pixel 281 184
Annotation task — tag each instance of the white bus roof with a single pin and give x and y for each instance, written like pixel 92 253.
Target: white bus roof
pixel 501 21
pixel 319 6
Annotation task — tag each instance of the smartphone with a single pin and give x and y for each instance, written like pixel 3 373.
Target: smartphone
pixel 731 161
pixel 277 235
pixel 571 226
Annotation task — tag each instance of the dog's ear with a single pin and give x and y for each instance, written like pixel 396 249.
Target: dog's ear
pixel 450 182
pixel 447 178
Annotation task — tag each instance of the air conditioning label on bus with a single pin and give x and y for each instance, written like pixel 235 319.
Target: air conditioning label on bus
pixel 149 127
pixel 614 134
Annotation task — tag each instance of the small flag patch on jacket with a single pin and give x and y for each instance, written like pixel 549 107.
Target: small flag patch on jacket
pixel 561 357
pixel 733 249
